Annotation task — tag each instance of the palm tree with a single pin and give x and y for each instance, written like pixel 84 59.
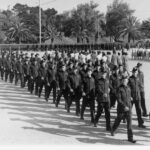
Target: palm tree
pixel 18 32
pixel 145 28
pixel 131 28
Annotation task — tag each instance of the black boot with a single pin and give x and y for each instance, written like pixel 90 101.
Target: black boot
pixel 132 141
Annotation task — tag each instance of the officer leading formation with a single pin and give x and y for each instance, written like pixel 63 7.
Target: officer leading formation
pixel 87 78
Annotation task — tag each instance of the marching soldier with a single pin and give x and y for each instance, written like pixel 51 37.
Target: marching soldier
pixel 17 70
pixel 114 84
pixel 124 109
pixel 75 89
pixel 32 74
pixel 37 78
pixel 51 83
pixel 2 66
pixel 12 70
pixel 103 100
pixel 142 93
pixel 62 77
pixel 7 67
pixel 25 71
pixel 88 95
pixel 41 77
pixel 135 94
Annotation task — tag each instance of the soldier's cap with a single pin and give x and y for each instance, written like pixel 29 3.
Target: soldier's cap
pixel 138 64
pixel 124 77
pixel 115 68
pixel 89 69
pixel 134 70
pixel 103 71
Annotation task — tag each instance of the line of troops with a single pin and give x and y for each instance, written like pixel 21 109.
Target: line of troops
pixel 101 79
pixel 141 54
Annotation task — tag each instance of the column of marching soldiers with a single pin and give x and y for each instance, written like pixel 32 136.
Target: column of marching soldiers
pixel 90 76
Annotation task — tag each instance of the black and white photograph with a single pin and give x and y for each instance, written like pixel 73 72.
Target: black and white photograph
pixel 75 72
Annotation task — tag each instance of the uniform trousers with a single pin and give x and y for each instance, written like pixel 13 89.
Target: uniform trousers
pixel 88 101
pixel 128 116
pixel 106 107
pixel 48 89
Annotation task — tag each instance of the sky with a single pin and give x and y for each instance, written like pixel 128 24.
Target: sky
pixel 141 7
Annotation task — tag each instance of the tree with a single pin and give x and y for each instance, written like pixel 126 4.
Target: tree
pixel 117 12
pixel 145 28
pixel 131 28
pixel 18 32
pixel 84 20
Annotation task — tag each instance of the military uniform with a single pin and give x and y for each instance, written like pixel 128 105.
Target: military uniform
pixel 140 77
pixel 135 94
pixel 124 110
pixel 114 84
pixel 32 74
pixel 41 78
pixel 89 97
pixel 51 82
pixel 103 100
pixel 75 89
pixel 62 79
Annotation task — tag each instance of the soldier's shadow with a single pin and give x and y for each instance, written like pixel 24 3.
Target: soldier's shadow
pixel 44 117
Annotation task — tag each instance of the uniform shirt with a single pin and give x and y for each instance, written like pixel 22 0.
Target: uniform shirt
pixel 62 79
pixel 114 83
pixel 134 86
pixel 102 89
pixel 124 97
pixel 89 87
pixel 51 75
pixel 42 72
pixel 74 81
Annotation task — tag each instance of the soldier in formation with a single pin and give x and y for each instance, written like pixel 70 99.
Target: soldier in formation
pixel 88 79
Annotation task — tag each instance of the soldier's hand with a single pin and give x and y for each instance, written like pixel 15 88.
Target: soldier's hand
pixel 71 90
pixel 83 94
pixel 126 109
pixel 105 95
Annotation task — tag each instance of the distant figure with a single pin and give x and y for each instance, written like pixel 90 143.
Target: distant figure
pixel 119 59
pixel 114 58
pixel 125 61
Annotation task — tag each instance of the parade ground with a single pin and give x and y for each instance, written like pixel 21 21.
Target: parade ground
pixel 29 120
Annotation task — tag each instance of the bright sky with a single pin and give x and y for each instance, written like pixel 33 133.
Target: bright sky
pixel 142 7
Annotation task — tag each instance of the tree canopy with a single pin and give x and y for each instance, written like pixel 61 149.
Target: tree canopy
pixel 85 23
